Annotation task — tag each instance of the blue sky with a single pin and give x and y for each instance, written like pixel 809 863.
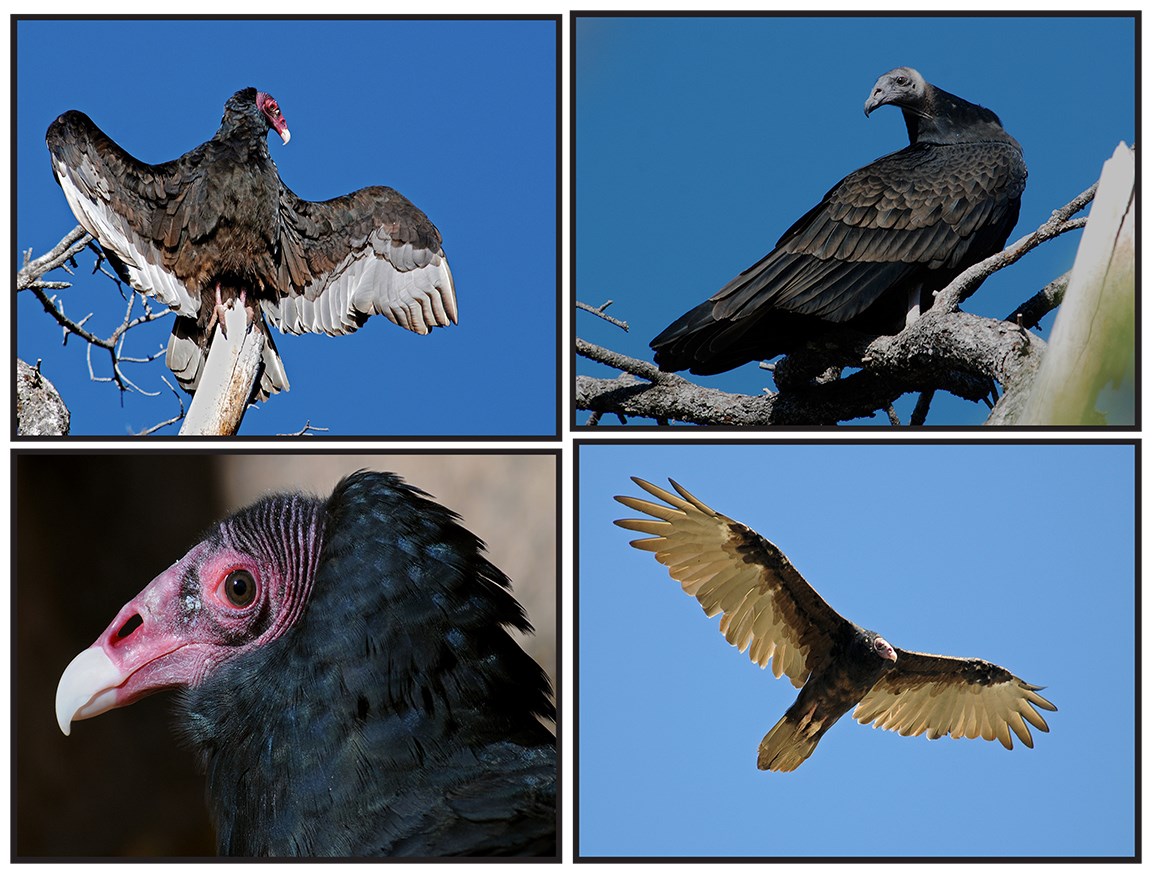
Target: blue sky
pixel 1020 554
pixel 459 116
pixel 700 140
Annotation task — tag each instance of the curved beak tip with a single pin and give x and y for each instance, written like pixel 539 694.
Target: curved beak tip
pixel 86 688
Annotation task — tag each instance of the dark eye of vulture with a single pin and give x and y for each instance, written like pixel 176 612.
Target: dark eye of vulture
pixel 767 608
pixel 346 678
pixel 218 225
pixel 871 254
pixel 241 588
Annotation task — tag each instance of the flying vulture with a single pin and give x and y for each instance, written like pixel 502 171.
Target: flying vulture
pixel 770 610
pixel 218 224
pixel 346 680
pixel 870 255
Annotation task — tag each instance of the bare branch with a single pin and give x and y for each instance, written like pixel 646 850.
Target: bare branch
pixel 74 242
pixel 920 412
pixel 166 422
pixel 600 311
pixel 619 361
pixel 308 429
pixel 1029 313
pixel 959 289
pixel 944 349
pixel 138 309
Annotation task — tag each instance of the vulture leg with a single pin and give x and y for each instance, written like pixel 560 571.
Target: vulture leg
pixel 913 305
pixel 219 316
pixel 253 319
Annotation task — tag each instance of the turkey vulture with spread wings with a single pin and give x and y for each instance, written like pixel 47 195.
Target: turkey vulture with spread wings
pixel 771 611
pixel 218 225
pixel 347 680
pixel 871 254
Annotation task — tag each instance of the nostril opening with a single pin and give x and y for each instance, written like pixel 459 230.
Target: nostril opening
pixel 129 626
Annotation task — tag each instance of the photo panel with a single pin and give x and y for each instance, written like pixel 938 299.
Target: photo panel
pixel 734 207
pixel 1020 557
pixel 439 136
pixel 399 654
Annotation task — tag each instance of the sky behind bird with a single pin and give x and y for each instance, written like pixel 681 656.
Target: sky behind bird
pixel 458 116
pixel 699 141
pixel 1023 555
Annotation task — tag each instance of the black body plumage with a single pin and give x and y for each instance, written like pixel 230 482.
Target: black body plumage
pixel 877 246
pixel 218 225
pixel 396 716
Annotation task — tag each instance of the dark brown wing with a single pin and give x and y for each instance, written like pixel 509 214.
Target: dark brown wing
pixel 906 223
pixel 369 252
pixel 135 210
pixel 927 207
pixel 768 608
pixel 944 695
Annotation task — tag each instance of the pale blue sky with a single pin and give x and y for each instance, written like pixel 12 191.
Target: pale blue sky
pixel 1019 554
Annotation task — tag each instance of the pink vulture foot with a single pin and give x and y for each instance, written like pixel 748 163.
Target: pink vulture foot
pixel 250 311
pixel 218 315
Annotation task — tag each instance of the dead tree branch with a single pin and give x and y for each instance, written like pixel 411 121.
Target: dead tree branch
pixel 943 349
pixel 600 311
pixel 138 310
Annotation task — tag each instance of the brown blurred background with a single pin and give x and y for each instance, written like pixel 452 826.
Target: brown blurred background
pixel 93 530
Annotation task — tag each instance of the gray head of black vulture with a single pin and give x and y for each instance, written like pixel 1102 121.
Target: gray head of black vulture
pixel 903 87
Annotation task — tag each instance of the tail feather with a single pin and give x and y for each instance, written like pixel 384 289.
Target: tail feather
pixel 787 745
pixel 186 357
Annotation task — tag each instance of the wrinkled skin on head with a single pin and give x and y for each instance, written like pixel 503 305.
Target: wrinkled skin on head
pixel 267 104
pixel 230 594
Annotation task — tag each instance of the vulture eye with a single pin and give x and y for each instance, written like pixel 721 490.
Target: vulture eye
pixel 240 588
pixel 901 80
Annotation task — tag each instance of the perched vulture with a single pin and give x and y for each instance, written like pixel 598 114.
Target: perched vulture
pixel 771 611
pixel 218 224
pixel 871 254
pixel 346 680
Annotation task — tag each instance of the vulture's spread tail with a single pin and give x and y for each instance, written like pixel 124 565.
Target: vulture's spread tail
pixel 186 357
pixel 787 745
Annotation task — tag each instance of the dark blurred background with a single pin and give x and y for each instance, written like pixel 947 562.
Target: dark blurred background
pixel 91 531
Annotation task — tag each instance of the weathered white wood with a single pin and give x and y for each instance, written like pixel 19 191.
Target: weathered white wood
pixel 1087 374
pixel 225 386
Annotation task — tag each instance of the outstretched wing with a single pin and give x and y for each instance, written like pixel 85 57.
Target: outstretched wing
pixel 366 253
pixel 944 695
pixel 767 607
pixel 137 211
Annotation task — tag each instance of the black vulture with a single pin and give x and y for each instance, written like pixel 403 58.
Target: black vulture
pixel 770 610
pixel 871 254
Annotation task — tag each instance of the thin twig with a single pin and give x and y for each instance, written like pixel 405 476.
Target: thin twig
pixel 174 419
pixel 74 242
pixel 600 311
pixel 308 428
pixel 63 257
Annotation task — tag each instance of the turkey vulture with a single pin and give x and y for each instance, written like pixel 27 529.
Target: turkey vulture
pixel 218 224
pixel 346 680
pixel 871 254
pixel 771 611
